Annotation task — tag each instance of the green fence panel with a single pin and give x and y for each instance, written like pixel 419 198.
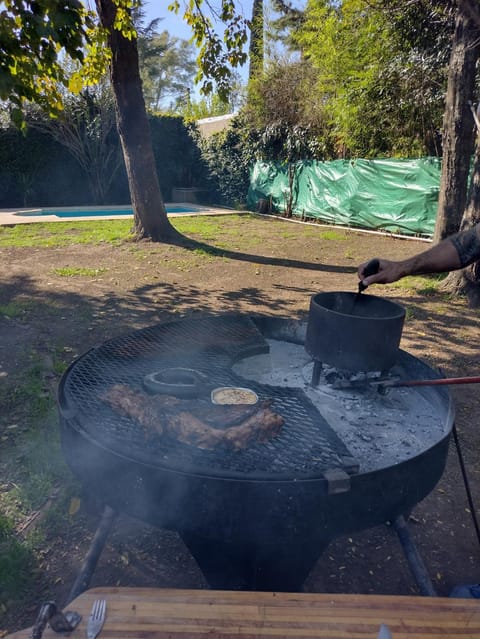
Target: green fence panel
pixel 397 196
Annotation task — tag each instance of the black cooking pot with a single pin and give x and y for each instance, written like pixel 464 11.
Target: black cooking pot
pixel 354 332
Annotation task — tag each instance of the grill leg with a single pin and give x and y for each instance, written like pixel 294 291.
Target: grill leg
pixel 90 562
pixel 317 371
pixel 413 557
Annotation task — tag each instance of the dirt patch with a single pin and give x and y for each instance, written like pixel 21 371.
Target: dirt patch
pixel 259 266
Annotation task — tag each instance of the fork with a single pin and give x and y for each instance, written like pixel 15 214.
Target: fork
pixel 96 618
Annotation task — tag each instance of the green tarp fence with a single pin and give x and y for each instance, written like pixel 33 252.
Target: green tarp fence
pixel 397 196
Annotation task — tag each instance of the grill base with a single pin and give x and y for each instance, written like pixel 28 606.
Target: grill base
pixel 273 566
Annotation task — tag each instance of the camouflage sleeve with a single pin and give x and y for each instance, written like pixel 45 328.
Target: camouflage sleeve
pixel 467 244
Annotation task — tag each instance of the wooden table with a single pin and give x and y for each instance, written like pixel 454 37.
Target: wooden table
pixel 145 613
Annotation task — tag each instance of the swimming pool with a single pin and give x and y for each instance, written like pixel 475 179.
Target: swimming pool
pixel 80 212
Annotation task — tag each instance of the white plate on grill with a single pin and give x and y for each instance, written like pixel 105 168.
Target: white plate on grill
pixel 233 395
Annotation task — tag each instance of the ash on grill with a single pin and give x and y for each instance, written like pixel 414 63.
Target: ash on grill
pixel 378 430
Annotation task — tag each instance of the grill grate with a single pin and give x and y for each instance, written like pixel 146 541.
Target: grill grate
pixel 306 446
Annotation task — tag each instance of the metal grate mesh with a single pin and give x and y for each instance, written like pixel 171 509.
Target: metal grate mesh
pixel 306 446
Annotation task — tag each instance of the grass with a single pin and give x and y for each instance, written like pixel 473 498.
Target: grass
pixel 31 461
pixel 34 474
pixel 15 310
pixel 42 464
pixel 208 228
pixel 29 400
pixel 328 234
pixel 32 467
pixel 51 234
pixel 72 271
pixel 333 236
pixel 30 392
pixel 16 563
pixel 421 284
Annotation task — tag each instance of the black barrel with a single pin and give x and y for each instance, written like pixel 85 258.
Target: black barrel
pixel 354 332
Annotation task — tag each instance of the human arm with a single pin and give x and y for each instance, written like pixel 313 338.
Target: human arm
pixel 451 254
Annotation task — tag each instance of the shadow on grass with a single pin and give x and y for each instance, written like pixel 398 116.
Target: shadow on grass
pixel 214 251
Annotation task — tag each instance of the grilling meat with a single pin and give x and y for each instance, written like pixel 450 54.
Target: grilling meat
pixel 140 407
pixel 197 423
pixel 261 426
pixel 222 415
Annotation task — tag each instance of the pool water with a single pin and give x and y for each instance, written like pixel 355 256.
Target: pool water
pixel 99 212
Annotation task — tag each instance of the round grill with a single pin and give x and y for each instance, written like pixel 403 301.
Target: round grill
pixel 256 518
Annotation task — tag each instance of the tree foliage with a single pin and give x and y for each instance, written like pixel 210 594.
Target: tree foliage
pixel 257 49
pixel 229 156
pixel 383 92
pixel 48 27
pixel 167 64
pixel 289 119
pixel 35 35
pixel 284 118
pixel 206 107
pixel 38 36
pixel 287 23
pixel 38 171
pixel 218 53
pixel 167 68
pixel 86 128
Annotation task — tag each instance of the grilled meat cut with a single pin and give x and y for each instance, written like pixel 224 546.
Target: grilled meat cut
pixel 196 422
pixel 221 415
pixel 130 403
pixel 261 426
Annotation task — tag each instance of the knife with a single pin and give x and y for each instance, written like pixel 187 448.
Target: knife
pixel 384 632
pixel 370 269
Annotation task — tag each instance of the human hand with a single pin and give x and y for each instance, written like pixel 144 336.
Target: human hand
pixel 370 268
pixel 387 272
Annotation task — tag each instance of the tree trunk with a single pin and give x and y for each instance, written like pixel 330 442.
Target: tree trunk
pixel 256 52
pixel 467 281
pixel 289 200
pixel 458 136
pixel 150 216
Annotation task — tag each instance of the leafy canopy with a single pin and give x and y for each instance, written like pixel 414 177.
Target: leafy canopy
pixel 380 68
pixel 37 37
pixel 217 53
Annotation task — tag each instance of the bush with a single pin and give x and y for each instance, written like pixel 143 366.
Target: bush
pixel 229 156
pixel 177 154
pixel 37 171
